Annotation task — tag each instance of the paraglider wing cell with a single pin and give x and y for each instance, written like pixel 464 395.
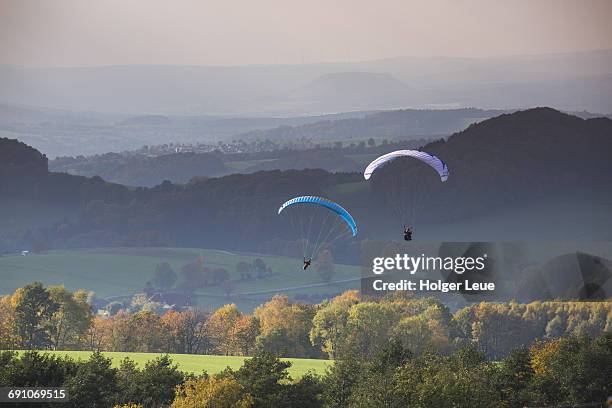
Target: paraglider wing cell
pixel 337 208
pixel 431 160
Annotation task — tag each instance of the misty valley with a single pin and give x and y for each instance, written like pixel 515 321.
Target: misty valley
pixel 272 204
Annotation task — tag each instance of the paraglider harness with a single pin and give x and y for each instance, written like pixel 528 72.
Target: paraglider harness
pixel 407 234
pixel 307 263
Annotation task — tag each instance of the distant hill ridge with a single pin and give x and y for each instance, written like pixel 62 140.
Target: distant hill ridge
pixel 570 81
pixel 395 124
pixel 352 91
pixel 139 170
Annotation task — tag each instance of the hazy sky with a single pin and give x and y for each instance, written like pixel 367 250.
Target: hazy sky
pixel 107 32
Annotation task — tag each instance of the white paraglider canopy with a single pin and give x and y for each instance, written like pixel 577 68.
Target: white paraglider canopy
pixel 437 164
pixel 406 191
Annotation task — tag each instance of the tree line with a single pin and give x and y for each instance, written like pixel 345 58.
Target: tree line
pixel 38 317
pixel 560 372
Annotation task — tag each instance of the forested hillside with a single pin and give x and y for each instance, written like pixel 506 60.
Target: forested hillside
pixel 139 170
pixel 514 159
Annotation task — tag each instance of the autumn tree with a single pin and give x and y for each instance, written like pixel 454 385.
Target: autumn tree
pixel 368 325
pixel 100 334
pixel 71 321
pixel 9 334
pixel 222 328
pixel 118 334
pixel 349 325
pixel 246 331
pixel 186 331
pixel 288 325
pixel 34 309
pixel 164 277
pixel 128 332
pixel 147 329
pixel 573 370
pixel 212 392
pixel 329 323
pixel 414 333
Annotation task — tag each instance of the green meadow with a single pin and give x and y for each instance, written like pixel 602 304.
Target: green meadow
pixel 117 272
pixel 197 363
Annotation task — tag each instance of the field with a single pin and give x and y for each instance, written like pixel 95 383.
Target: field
pixel 117 272
pixel 243 165
pixel 196 363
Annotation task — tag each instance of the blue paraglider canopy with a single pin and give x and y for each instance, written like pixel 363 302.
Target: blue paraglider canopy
pixel 332 206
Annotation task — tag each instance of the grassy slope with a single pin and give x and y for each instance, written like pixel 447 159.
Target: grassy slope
pixel 195 363
pixel 123 271
pixel 242 165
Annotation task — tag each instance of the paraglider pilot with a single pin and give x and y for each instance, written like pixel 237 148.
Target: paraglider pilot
pixel 407 233
pixel 307 263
